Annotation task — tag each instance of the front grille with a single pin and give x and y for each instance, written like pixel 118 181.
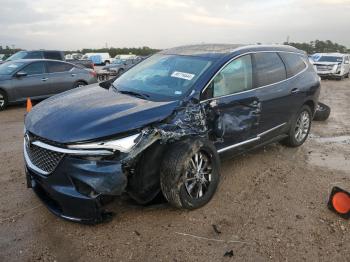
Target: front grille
pixel 324 67
pixel 42 158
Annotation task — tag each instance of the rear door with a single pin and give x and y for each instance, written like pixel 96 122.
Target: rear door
pixel 234 104
pixel 273 92
pixel 34 84
pixel 61 77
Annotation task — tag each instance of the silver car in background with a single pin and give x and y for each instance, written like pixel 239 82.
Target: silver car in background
pixel 39 79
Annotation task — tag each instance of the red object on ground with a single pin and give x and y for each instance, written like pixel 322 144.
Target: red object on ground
pixel 339 202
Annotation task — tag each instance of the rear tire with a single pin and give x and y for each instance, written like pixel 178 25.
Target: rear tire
pixel 3 100
pixel 300 128
pixel 190 173
pixel 322 112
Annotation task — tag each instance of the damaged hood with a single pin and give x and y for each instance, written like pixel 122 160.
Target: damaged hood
pixel 92 112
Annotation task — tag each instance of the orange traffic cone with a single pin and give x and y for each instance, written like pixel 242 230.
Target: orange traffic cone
pixel 339 202
pixel 29 105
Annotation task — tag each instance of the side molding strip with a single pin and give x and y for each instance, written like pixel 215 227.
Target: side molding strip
pixel 250 140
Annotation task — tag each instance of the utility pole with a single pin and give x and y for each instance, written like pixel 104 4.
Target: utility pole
pixel 288 39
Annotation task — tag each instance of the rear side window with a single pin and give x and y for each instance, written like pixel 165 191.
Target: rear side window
pixel 234 78
pixel 53 55
pixel 57 67
pixel 269 69
pixel 36 68
pixel 294 63
pixel 33 55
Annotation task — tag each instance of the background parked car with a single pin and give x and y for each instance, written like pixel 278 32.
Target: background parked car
pixel 74 56
pixel 333 65
pixel 124 57
pixel 50 54
pixel 119 66
pixel 37 54
pixel 98 58
pixel 39 78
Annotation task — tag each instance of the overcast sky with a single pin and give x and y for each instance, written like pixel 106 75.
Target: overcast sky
pixel 76 24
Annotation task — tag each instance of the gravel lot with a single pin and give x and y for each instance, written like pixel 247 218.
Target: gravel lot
pixel 271 205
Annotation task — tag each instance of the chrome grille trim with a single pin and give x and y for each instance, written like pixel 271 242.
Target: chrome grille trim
pixel 44 158
pixel 29 162
pixel 73 151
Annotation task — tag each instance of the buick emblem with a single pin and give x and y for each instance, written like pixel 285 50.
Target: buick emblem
pixel 27 140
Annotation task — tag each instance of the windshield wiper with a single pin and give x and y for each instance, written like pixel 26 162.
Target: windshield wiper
pixel 143 96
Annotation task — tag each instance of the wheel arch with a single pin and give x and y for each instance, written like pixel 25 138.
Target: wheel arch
pixel 81 80
pixel 311 104
pixel 5 92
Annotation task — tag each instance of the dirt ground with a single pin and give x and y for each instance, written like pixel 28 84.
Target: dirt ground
pixel 270 206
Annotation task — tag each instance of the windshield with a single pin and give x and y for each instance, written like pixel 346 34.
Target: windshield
pixel 9 67
pixel 337 59
pixel 18 55
pixel 164 77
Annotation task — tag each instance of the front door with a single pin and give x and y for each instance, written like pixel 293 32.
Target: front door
pixel 234 104
pixel 34 84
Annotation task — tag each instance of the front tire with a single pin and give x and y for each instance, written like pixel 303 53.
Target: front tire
pixel 190 173
pixel 300 128
pixel 3 100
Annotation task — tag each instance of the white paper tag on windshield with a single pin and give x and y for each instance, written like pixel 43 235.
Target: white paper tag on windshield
pixel 182 75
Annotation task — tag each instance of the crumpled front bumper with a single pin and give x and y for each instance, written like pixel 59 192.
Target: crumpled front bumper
pixel 77 188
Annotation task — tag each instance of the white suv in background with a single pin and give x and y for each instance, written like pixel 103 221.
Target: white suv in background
pixel 333 65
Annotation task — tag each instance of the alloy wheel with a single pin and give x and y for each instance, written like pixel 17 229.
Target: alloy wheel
pixel 2 100
pixel 198 175
pixel 302 126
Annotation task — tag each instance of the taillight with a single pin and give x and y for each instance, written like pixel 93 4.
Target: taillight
pixel 93 73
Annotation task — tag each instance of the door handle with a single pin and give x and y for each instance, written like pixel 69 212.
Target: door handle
pixel 295 91
pixel 44 79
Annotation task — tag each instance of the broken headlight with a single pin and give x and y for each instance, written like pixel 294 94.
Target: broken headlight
pixel 123 144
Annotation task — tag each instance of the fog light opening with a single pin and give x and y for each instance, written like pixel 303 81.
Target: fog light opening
pixel 84 189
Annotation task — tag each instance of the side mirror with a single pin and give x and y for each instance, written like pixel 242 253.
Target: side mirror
pixel 21 74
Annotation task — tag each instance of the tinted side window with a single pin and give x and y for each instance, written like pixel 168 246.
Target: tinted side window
pixel 294 63
pixel 34 68
pixel 235 77
pixel 269 69
pixel 34 55
pixel 53 55
pixel 56 67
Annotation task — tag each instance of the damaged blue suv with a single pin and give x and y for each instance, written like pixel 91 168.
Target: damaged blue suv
pixel 163 126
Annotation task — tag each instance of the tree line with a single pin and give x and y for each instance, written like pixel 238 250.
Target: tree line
pixel 141 51
pixel 319 46
pixel 312 47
